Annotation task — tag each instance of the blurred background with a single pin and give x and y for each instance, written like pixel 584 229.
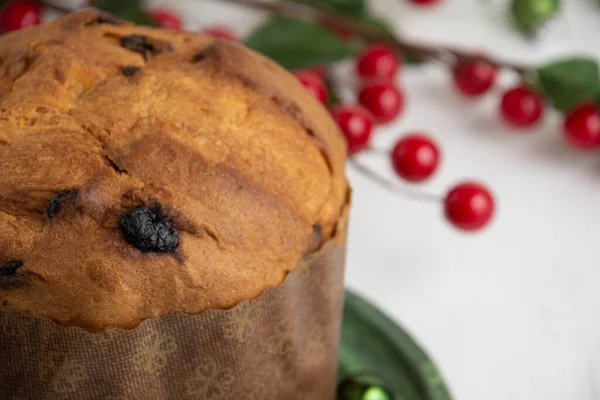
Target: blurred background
pixel 510 312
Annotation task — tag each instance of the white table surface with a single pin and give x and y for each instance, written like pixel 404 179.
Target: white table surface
pixel 512 313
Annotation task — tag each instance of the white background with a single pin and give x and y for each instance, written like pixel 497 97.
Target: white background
pixel 512 313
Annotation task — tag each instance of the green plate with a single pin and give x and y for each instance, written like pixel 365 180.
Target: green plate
pixel 373 343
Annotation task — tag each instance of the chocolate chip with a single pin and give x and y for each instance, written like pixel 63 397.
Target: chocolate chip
pixel 149 230
pixel 104 18
pixel 8 275
pixel 53 206
pixel 317 228
pixel 10 268
pixel 137 43
pixel 198 57
pixel 144 45
pixel 55 203
pixel 130 71
pixel 59 75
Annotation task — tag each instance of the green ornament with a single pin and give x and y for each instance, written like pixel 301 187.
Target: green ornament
pixel 364 386
pixel 531 15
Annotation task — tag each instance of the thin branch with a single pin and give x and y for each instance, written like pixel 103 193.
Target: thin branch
pixel 393 188
pixel 421 51
pixel 376 151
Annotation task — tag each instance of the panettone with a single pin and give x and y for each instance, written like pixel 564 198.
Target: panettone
pixel 146 172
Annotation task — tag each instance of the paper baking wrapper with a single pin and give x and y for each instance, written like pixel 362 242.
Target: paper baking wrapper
pixel 281 345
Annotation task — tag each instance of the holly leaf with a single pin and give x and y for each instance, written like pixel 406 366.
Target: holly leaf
pixel 134 15
pixel 298 44
pixel 131 10
pixel 570 81
pixel 114 6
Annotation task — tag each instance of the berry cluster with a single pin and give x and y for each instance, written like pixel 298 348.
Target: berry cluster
pixel 416 156
pixel 522 106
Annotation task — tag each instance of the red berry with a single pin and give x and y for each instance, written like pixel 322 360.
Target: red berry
pixel 521 106
pixel 166 18
pixel 384 100
pixel 319 70
pixel 377 61
pixel 221 32
pixel 473 77
pixel 314 84
pixel 19 14
pixel 425 2
pixel 415 157
pixel 356 124
pixel 469 206
pixel 582 127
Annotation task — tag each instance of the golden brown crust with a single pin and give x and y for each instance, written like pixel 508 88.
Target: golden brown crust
pixel 244 160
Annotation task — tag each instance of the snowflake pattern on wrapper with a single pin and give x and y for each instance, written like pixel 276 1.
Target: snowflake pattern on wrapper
pixel 281 343
pixel 153 352
pixel 240 324
pixel 270 381
pixel 62 372
pixel 210 381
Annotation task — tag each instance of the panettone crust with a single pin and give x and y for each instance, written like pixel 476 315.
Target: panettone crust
pixel 98 117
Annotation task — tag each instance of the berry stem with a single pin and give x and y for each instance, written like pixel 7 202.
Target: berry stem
pixel 446 55
pixel 377 151
pixel 392 187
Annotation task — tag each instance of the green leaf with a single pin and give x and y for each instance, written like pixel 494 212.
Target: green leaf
pixel 298 44
pixel 372 342
pixel 530 15
pixel 348 7
pixel 132 11
pixel 114 6
pixel 135 15
pixel 570 81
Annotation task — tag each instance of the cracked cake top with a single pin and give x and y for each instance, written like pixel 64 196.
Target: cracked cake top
pixel 146 171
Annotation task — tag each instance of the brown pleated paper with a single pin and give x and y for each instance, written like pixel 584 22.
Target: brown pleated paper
pixel 280 346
